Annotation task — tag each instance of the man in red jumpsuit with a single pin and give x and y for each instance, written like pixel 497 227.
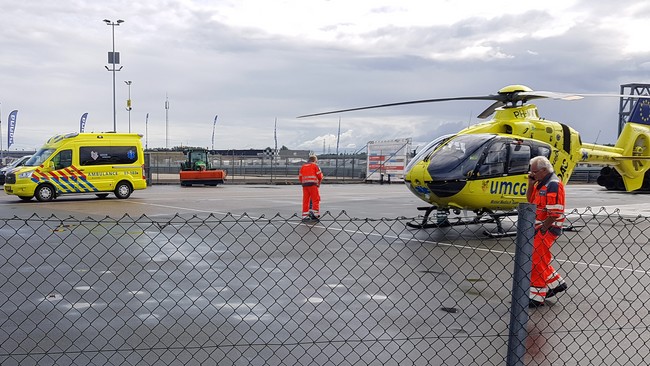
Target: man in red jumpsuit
pixel 310 177
pixel 546 191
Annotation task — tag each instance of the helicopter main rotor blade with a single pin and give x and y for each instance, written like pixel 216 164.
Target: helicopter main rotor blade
pixel 578 96
pixel 549 94
pixel 489 110
pixel 484 97
pixel 510 97
pixel 519 96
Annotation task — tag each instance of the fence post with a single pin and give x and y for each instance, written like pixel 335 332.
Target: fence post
pixel 521 284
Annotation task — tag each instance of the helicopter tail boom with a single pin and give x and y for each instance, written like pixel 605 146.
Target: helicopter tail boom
pixel 634 160
pixel 634 143
pixel 631 154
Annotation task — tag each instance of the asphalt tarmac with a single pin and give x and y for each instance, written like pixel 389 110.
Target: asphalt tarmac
pixel 372 201
pixel 357 288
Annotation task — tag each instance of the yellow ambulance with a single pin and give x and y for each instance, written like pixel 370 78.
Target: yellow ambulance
pixel 94 163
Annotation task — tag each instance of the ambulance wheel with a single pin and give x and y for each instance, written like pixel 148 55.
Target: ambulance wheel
pixel 44 192
pixel 101 195
pixel 123 190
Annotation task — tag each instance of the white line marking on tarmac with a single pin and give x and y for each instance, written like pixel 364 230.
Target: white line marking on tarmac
pixel 413 239
pixel 605 267
pixel 183 208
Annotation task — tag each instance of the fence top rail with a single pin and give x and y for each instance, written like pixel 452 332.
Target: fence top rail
pixel 587 213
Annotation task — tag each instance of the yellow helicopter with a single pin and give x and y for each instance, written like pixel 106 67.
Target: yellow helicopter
pixel 483 168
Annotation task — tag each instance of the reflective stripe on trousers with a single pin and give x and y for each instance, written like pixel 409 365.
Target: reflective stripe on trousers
pixel 543 276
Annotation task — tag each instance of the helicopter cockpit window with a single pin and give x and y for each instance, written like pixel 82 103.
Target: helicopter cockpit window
pixel 457 158
pixel 543 151
pixel 519 159
pixel 425 153
pixel 495 159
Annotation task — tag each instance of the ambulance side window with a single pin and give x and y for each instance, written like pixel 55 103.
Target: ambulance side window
pixel 107 155
pixel 63 159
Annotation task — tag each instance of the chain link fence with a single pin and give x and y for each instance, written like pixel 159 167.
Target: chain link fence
pixel 242 290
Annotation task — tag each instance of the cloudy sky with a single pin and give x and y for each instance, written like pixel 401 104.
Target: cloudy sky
pixel 255 62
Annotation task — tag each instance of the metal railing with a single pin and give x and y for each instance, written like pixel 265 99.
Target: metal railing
pixel 242 290
pixel 165 170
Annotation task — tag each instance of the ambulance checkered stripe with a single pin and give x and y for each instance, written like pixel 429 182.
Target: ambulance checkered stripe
pixel 69 180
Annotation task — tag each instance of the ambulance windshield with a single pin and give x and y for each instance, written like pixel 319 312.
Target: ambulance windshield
pixel 40 157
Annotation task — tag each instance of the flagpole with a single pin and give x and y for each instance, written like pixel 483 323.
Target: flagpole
pixel 338 137
pixel 1 147
pixel 82 122
pixel 213 126
pixel 275 151
pixel 11 128
pixel 146 132
pixel 166 121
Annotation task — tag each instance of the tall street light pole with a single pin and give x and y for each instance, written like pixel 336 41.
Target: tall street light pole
pixel 166 122
pixel 146 132
pixel 128 102
pixel 1 148
pixel 113 59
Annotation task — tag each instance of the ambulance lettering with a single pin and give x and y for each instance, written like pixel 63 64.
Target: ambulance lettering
pixel 102 174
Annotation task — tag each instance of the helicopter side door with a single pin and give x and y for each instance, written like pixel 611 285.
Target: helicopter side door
pixel 499 179
pixel 506 157
pixel 519 156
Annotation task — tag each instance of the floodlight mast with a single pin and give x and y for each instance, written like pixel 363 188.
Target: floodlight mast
pixel 113 59
pixel 1 148
pixel 128 102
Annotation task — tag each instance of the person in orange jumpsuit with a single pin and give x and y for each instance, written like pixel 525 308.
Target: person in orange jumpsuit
pixel 546 191
pixel 310 177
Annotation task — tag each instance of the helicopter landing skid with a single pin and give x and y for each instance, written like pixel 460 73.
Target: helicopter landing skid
pixel 573 227
pixel 443 221
pixel 500 233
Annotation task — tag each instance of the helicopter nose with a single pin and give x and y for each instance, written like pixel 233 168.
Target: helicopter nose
pixel 446 188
